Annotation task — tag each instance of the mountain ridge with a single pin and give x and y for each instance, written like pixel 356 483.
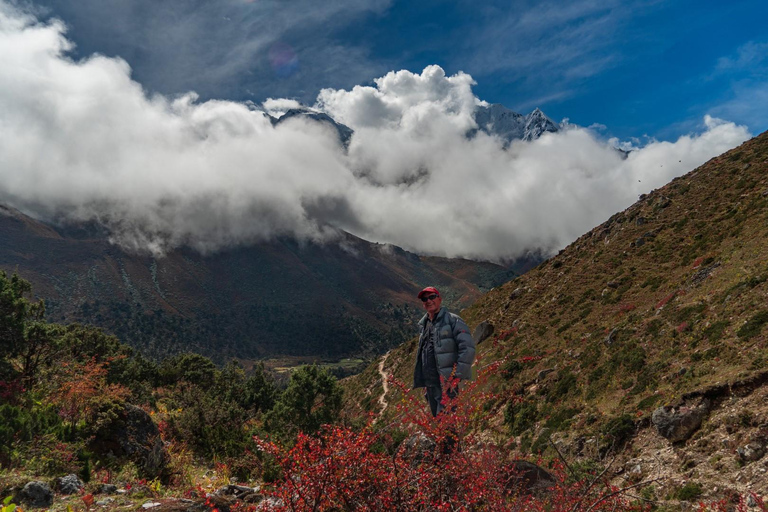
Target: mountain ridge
pixel 660 309
pixel 354 297
pixel 494 119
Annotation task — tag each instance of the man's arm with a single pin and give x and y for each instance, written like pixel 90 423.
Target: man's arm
pixel 466 348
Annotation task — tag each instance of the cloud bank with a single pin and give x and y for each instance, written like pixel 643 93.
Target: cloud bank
pixel 80 140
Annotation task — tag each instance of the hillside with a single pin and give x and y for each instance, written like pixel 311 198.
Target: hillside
pixel 353 297
pixel 663 304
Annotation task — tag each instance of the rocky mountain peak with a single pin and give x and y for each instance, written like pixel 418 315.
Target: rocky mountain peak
pixel 498 120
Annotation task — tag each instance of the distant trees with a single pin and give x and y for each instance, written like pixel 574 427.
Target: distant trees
pixel 61 383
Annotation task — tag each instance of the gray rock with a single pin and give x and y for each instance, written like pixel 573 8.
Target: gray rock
pixel 37 495
pixel 528 478
pixel 234 490
pixel 105 502
pixel 751 452
pixel 69 484
pixel 133 436
pixel 679 424
pixel 418 448
pixel 543 373
pixel 269 504
pixel 482 332
pixel 700 275
pixel 518 292
pixel 107 489
pixel 241 492
pixel 611 337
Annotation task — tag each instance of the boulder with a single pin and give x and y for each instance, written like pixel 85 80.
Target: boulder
pixel 528 478
pixel 482 332
pixel 418 448
pixel 69 484
pixel 751 452
pixel 133 436
pixel 543 373
pixel 36 495
pixel 107 489
pixel 679 424
pixel 241 492
pixel 270 504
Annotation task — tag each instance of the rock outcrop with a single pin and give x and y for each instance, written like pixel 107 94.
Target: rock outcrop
pixel 133 436
pixel 679 424
pixel 36 495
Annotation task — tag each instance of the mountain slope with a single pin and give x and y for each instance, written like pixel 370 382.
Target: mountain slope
pixel 666 303
pixel 280 298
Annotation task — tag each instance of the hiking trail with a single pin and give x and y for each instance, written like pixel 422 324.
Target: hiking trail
pixel 384 384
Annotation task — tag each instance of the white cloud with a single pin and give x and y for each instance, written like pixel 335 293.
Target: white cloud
pixel 80 140
pixel 276 107
pixel 751 56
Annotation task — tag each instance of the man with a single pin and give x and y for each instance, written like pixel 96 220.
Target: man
pixel 446 350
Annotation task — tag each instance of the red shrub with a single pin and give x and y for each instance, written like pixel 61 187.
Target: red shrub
pixel 345 469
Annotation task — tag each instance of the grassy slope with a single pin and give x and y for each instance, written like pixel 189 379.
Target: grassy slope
pixel 629 325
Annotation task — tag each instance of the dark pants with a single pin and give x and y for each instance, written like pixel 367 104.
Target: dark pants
pixel 434 395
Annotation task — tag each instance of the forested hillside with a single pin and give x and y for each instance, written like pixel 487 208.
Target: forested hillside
pixel 353 297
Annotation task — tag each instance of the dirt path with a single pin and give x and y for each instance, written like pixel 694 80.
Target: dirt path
pixel 384 384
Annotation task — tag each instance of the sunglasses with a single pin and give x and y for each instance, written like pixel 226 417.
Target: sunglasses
pixel 429 297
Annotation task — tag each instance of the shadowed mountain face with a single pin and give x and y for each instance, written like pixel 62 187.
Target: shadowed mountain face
pixel 281 298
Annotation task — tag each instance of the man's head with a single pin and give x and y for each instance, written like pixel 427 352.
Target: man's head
pixel 431 299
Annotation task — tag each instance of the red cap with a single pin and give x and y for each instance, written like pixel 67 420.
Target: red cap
pixel 428 289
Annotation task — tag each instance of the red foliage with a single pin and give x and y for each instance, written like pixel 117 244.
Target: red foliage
pixel 626 308
pixel 83 388
pixel 737 503
pixel 88 500
pixel 345 469
pixel 668 298
pixel 11 390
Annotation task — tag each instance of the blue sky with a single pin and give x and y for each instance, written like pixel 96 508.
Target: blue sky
pixel 639 67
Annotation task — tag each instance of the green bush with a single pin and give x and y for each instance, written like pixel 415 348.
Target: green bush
pixel 565 386
pixel 213 427
pixel 715 331
pixel 511 368
pixel 753 326
pixel 617 432
pixel 689 491
pixel 313 398
pixel 520 417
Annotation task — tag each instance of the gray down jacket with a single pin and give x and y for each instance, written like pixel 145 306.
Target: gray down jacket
pixel 454 347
